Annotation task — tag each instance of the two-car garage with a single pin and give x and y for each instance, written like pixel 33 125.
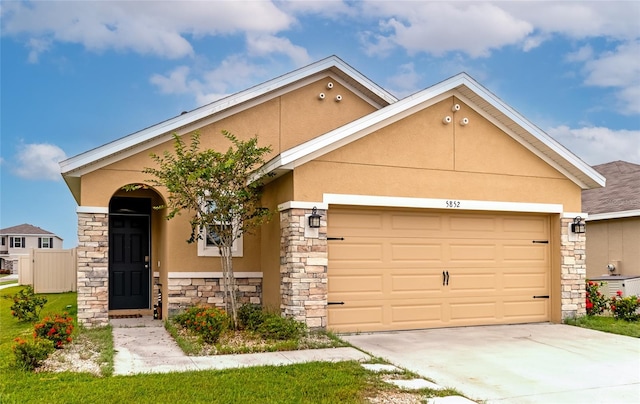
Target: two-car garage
pixel 398 269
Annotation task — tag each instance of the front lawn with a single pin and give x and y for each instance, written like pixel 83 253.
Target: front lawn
pixel 607 324
pixel 318 382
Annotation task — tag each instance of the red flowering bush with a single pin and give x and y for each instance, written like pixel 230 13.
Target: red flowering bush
pixel 625 308
pixel 57 328
pixel 207 322
pixel 597 303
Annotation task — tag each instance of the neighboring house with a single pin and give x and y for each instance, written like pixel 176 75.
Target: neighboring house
pixel 446 208
pixel 613 245
pixel 16 241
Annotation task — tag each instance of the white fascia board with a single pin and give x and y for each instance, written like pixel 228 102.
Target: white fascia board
pixel 447 204
pixel 74 163
pixel 614 215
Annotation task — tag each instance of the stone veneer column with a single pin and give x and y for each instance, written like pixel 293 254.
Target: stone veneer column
pixel 573 271
pixel 93 269
pixel 303 269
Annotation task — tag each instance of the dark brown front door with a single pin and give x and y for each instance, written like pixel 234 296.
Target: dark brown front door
pixel 129 279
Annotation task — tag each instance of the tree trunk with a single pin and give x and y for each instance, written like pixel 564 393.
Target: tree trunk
pixel 229 282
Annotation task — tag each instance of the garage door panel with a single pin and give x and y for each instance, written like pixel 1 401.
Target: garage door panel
pixel 533 253
pixel 526 227
pixel 357 252
pixel 470 253
pixel 534 281
pixel 486 311
pixel 466 224
pixel 419 223
pixel 420 284
pixel 472 284
pixel 363 318
pixel 401 250
pixel 416 315
pixel 355 284
pixel 526 310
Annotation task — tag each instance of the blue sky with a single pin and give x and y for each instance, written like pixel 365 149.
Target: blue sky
pixel 76 75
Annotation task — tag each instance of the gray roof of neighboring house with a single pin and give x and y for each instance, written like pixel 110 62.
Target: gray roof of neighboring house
pixel 621 193
pixel 24 229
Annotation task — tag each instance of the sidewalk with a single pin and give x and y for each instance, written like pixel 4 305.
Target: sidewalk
pixel 12 277
pixel 144 346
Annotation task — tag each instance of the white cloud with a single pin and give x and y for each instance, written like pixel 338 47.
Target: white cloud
pixel 597 145
pixel 265 45
pixel 39 161
pixel 427 27
pixel 144 27
pixel 234 74
pixel 581 55
pixel 618 69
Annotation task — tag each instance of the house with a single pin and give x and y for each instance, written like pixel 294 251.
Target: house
pixel 613 245
pixel 445 208
pixel 16 241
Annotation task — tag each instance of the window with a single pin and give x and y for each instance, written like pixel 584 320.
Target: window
pixel 45 242
pixel 16 242
pixel 209 242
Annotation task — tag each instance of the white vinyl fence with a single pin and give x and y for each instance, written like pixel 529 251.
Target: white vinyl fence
pixel 48 271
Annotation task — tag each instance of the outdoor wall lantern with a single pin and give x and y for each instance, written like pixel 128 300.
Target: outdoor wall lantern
pixel 578 226
pixel 314 218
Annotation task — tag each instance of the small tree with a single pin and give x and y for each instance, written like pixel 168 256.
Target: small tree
pixel 221 191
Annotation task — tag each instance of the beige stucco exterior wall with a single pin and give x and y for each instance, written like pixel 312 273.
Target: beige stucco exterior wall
pixel 421 157
pixel 613 241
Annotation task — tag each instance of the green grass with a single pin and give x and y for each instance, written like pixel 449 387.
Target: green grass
pixel 8 282
pixel 607 324
pixel 318 382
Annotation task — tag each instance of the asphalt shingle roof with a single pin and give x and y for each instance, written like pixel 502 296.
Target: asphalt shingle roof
pixel 622 190
pixel 24 229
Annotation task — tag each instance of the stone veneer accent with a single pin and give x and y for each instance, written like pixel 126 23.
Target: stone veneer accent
pixel 185 292
pixel 303 269
pixel 573 271
pixel 93 269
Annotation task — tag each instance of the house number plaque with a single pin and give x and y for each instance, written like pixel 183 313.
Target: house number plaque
pixel 452 204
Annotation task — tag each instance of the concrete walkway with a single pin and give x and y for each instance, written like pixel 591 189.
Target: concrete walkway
pixel 144 346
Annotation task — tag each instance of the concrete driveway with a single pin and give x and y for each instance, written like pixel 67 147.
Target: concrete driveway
pixel 531 363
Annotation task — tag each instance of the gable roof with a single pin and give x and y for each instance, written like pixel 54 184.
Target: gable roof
pixel 74 167
pixel 472 93
pixel 25 230
pixel 621 196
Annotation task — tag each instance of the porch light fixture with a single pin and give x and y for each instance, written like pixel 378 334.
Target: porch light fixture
pixel 578 226
pixel 314 218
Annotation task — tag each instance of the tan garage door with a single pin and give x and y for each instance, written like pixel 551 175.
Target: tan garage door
pixel 408 269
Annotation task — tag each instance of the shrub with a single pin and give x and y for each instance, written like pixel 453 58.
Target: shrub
pixel 596 302
pixel 277 327
pixel 207 322
pixel 26 305
pixel 30 355
pixel 250 316
pixel 57 328
pixel 625 308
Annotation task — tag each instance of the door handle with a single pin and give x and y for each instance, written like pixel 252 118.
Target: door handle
pixel 445 278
